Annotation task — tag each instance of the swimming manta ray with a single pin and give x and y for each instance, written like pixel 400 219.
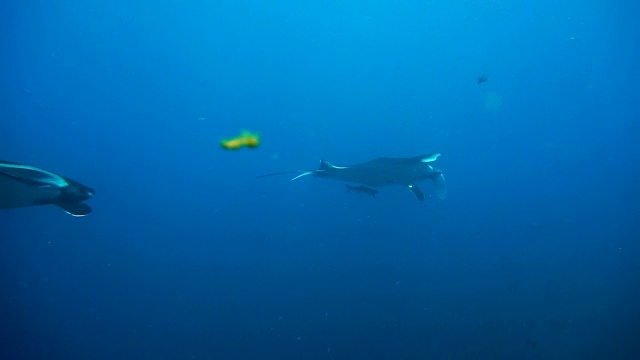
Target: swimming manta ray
pixel 406 172
pixel 24 185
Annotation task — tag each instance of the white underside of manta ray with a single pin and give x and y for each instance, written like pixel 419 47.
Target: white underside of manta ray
pixel 407 172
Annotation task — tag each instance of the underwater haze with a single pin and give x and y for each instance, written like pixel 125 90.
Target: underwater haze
pixel 534 106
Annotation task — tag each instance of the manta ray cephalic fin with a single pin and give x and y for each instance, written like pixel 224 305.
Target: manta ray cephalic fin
pixel 75 208
pixel 416 191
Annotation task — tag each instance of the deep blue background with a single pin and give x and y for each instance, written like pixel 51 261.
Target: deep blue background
pixel 187 255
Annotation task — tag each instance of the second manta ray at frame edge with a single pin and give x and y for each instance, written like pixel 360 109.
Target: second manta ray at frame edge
pixel 384 172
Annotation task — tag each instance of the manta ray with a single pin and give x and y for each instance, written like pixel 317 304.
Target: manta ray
pixel 407 172
pixel 24 185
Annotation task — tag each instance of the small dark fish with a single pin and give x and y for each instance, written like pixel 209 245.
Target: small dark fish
pixel 362 189
pixel 483 79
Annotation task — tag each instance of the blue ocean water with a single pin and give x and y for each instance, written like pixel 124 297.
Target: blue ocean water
pixel 187 255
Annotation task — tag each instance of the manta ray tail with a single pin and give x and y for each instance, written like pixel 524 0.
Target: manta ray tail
pixel 300 174
pixel 440 185
pixel 278 173
pixel 303 174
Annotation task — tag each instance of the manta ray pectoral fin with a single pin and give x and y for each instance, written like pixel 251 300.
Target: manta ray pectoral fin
pixel 75 208
pixel 31 175
pixel 440 186
pixel 416 191
pixel 429 158
pixel 303 174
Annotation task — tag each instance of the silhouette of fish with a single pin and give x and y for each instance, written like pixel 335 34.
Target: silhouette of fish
pixel 405 172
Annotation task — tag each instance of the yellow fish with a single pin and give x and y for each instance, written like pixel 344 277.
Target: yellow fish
pixel 247 139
